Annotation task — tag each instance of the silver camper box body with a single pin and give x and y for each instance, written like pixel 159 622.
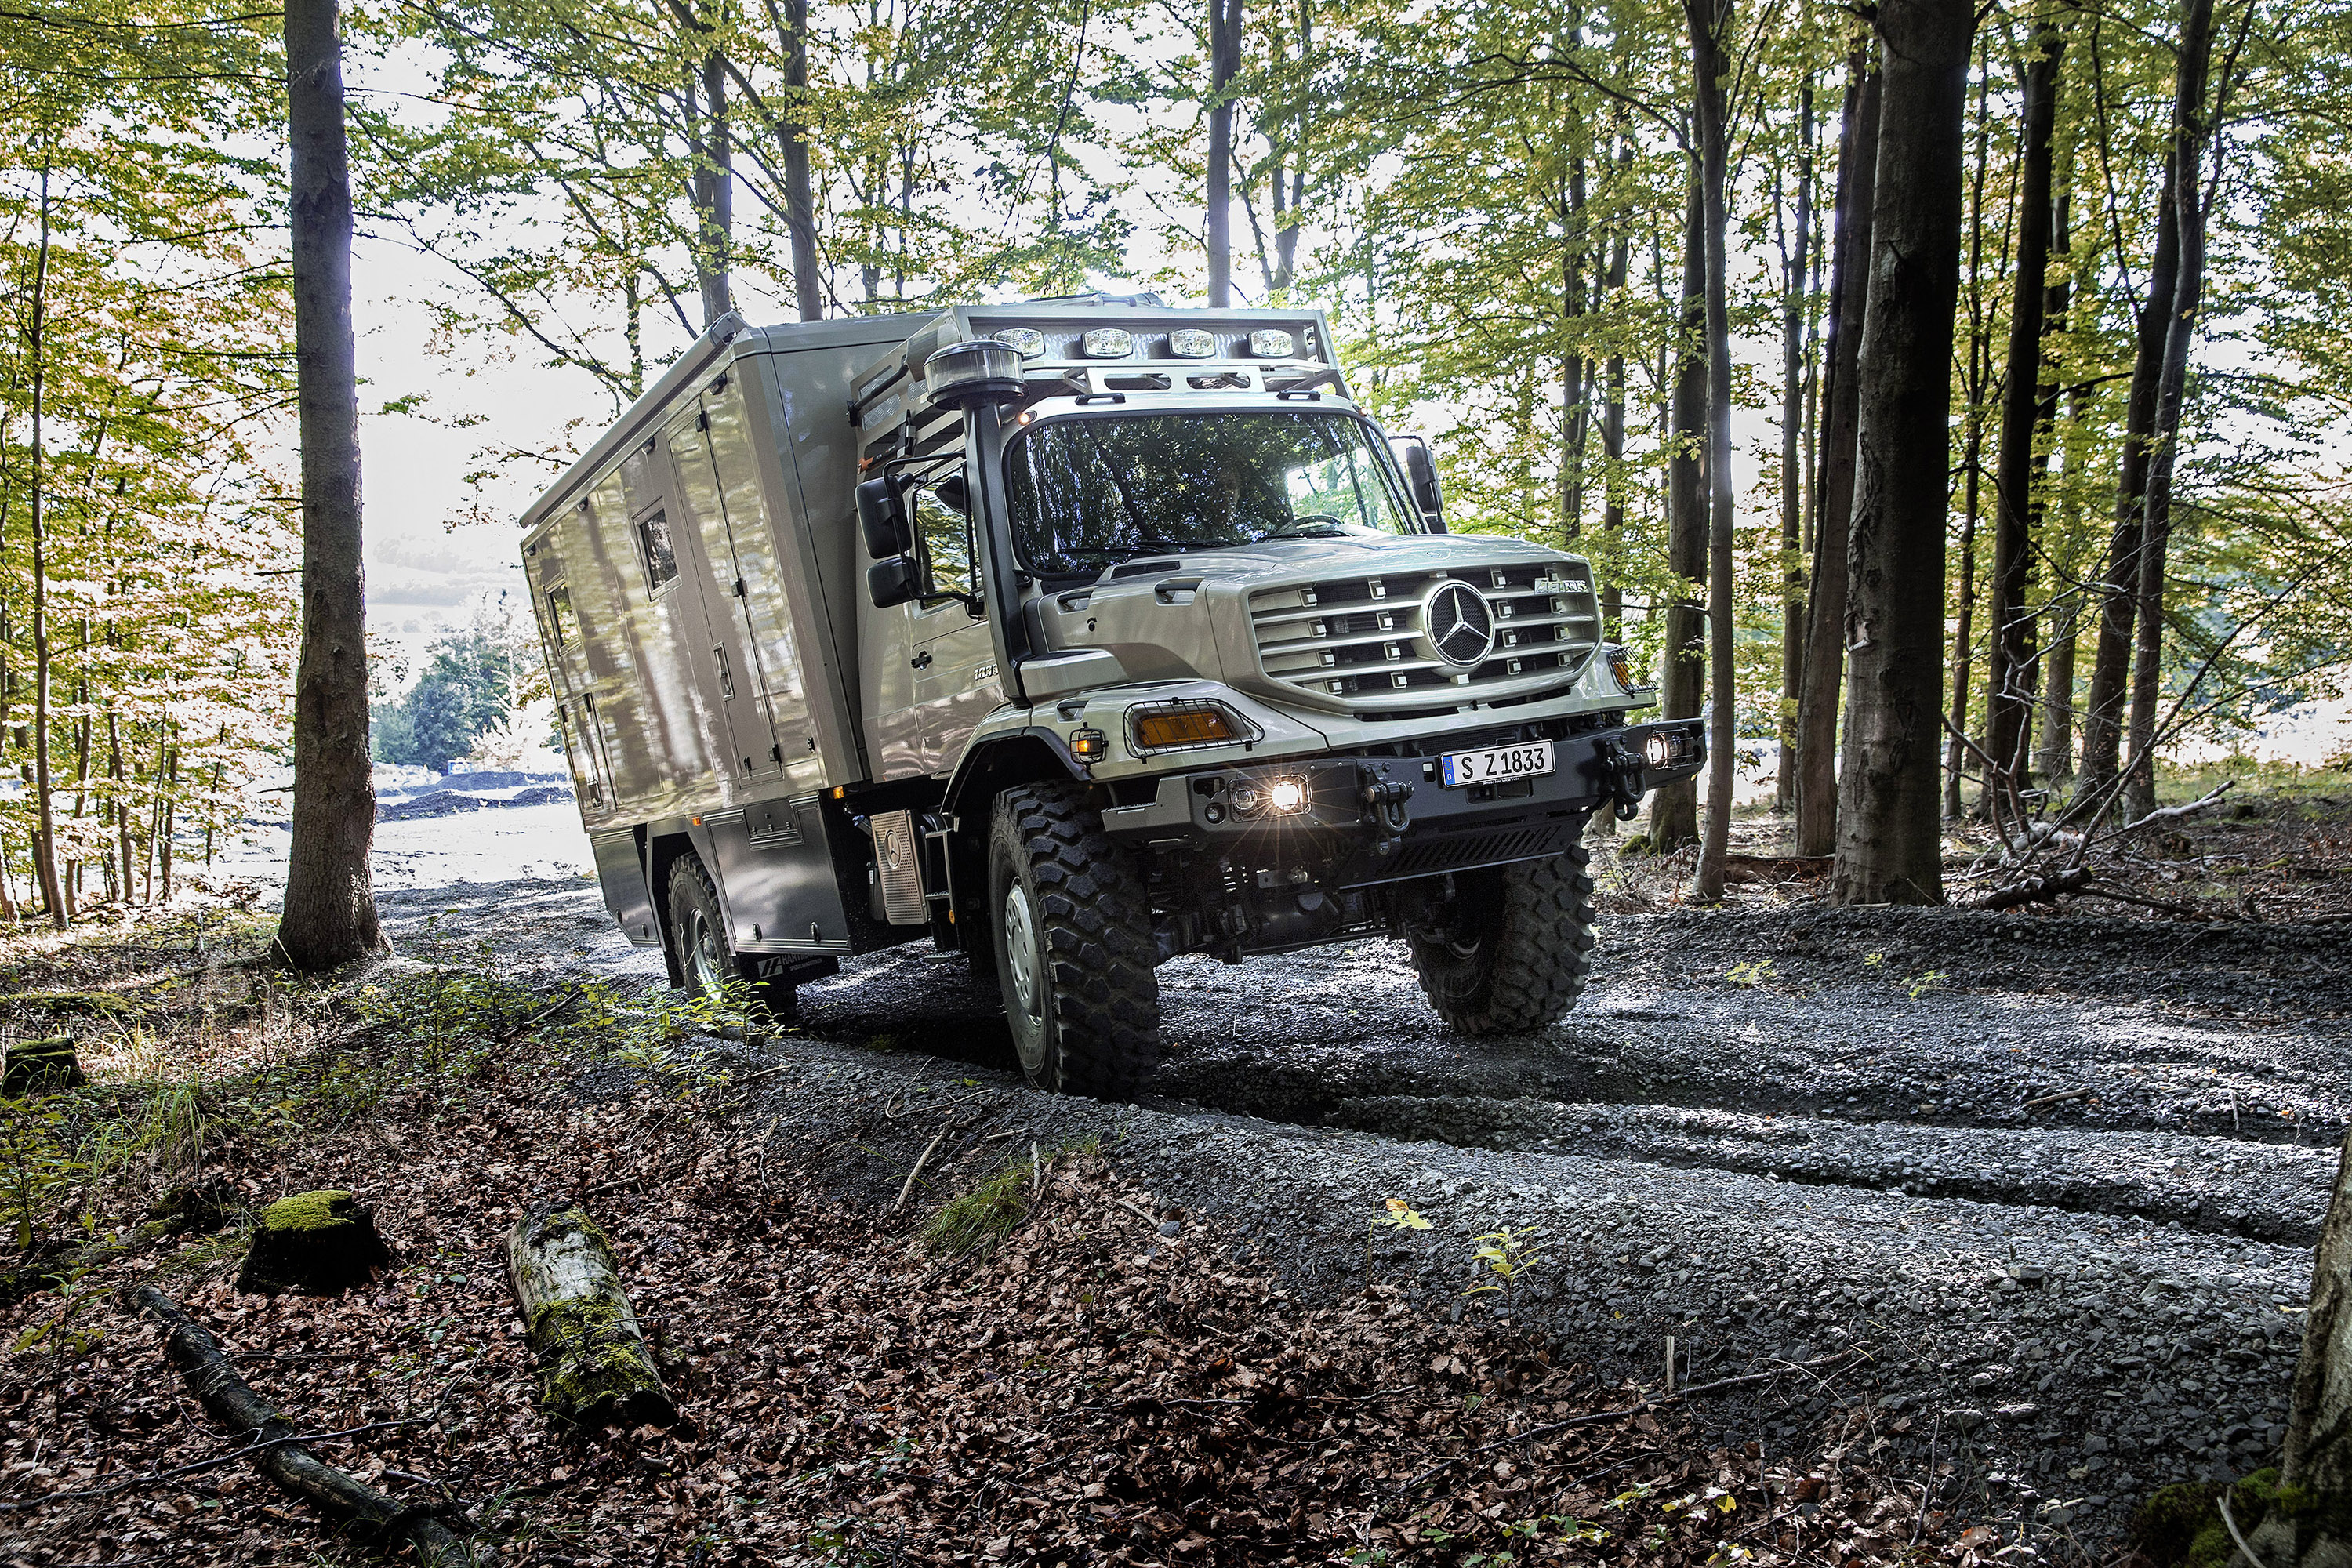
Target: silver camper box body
pixel 696 577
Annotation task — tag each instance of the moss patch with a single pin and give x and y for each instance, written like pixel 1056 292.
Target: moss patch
pixel 2180 1526
pixel 309 1211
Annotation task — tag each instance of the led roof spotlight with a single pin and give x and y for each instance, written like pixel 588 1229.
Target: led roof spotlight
pixel 1026 341
pixel 1272 343
pixel 1108 342
pixel 968 375
pixel 1191 343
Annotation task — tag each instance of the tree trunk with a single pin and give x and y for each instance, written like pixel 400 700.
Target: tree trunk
pixel 1794 320
pixel 1890 840
pixel 800 205
pixel 2317 1465
pixel 2120 592
pixel 1673 808
pixel 1709 20
pixel 1224 64
pixel 1612 434
pixel 2164 438
pixel 593 1367
pixel 244 1414
pixel 45 847
pixel 1825 612
pixel 715 196
pixel 330 913
pixel 2011 651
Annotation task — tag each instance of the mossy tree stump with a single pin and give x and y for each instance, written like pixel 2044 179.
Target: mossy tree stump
pixel 593 1367
pixel 319 1242
pixel 2309 1522
pixel 41 1066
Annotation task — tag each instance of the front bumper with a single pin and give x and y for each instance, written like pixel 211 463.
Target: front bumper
pixel 1370 819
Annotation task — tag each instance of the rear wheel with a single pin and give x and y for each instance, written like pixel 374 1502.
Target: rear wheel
pixel 1071 937
pixel 699 927
pixel 1511 951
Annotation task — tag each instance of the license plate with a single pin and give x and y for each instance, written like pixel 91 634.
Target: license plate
pixel 1495 764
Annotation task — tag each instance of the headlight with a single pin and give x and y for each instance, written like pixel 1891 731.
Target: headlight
pixel 1108 342
pixel 1272 343
pixel 1191 343
pixel 1184 726
pixel 1658 751
pixel 1287 796
pixel 1026 341
pixel 1248 800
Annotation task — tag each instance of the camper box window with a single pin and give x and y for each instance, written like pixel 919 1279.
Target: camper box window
pixel 661 556
pixel 562 616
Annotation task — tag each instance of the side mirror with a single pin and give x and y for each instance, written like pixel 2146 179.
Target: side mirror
pixel 893 581
pixel 1421 469
pixel 882 514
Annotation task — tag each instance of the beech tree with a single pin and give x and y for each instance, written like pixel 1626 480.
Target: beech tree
pixel 1890 838
pixel 329 915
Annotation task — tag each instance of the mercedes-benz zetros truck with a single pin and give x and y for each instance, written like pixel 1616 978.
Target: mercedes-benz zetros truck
pixel 1072 636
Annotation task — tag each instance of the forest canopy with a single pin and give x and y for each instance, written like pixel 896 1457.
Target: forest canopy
pixel 1503 205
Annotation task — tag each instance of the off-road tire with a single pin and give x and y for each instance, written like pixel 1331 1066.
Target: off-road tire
pixel 694 909
pixel 1091 1022
pixel 1529 946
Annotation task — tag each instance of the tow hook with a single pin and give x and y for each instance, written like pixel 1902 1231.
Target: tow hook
pixel 1622 781
pixel 1385 799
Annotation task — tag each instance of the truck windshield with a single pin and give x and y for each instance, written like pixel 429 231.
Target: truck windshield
pixel 1088 490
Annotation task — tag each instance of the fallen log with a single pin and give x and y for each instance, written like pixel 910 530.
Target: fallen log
pixel 2032 891
pixel 593 1367
pixel 275 1447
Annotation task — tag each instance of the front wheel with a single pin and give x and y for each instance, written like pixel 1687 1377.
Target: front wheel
pixel 1071 935
pixel 1511 949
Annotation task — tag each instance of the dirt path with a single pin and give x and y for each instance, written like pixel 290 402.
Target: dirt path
pixel 1770 1135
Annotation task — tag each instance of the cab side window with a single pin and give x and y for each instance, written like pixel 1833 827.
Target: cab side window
pixel 944 537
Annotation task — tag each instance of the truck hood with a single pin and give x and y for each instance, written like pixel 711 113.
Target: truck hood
pixel 1334 625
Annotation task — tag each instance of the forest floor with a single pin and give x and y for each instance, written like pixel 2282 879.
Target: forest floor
pixel 2011 1212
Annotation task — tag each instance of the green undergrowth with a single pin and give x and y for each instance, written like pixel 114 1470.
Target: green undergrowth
pixel 200 1054
pixel 2181 1525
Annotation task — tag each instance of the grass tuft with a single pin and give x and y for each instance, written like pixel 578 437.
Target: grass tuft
pixel 976 1222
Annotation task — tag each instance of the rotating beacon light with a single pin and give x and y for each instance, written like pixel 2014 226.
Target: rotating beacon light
pixel 968 375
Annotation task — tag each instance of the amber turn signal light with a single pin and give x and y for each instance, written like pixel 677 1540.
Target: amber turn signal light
pixel 1187 727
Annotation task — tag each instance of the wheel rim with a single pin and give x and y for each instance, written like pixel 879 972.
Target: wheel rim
pixel 709 974
pixel 1022 959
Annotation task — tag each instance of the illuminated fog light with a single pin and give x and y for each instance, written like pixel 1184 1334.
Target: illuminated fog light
pixel 1026 341
pixel 1191 343
pixel 1272 343
pixel 1287 796
pixel 1108 342
pixel 1658 751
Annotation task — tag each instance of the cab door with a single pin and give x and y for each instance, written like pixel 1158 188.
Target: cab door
pixel 956 680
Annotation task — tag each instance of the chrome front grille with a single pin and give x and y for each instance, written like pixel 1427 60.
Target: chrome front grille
pixel 1410 639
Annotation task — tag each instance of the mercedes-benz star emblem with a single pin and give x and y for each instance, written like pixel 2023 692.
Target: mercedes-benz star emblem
pixel 1460 624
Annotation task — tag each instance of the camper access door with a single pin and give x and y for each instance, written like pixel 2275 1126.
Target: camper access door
pixel 761 687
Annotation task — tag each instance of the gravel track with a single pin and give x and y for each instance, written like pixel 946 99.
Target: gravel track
pixel 1766 1134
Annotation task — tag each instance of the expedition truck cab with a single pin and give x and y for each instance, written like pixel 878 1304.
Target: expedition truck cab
pixel 1072 636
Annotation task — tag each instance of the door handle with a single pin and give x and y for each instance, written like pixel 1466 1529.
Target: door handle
pixel 922 660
